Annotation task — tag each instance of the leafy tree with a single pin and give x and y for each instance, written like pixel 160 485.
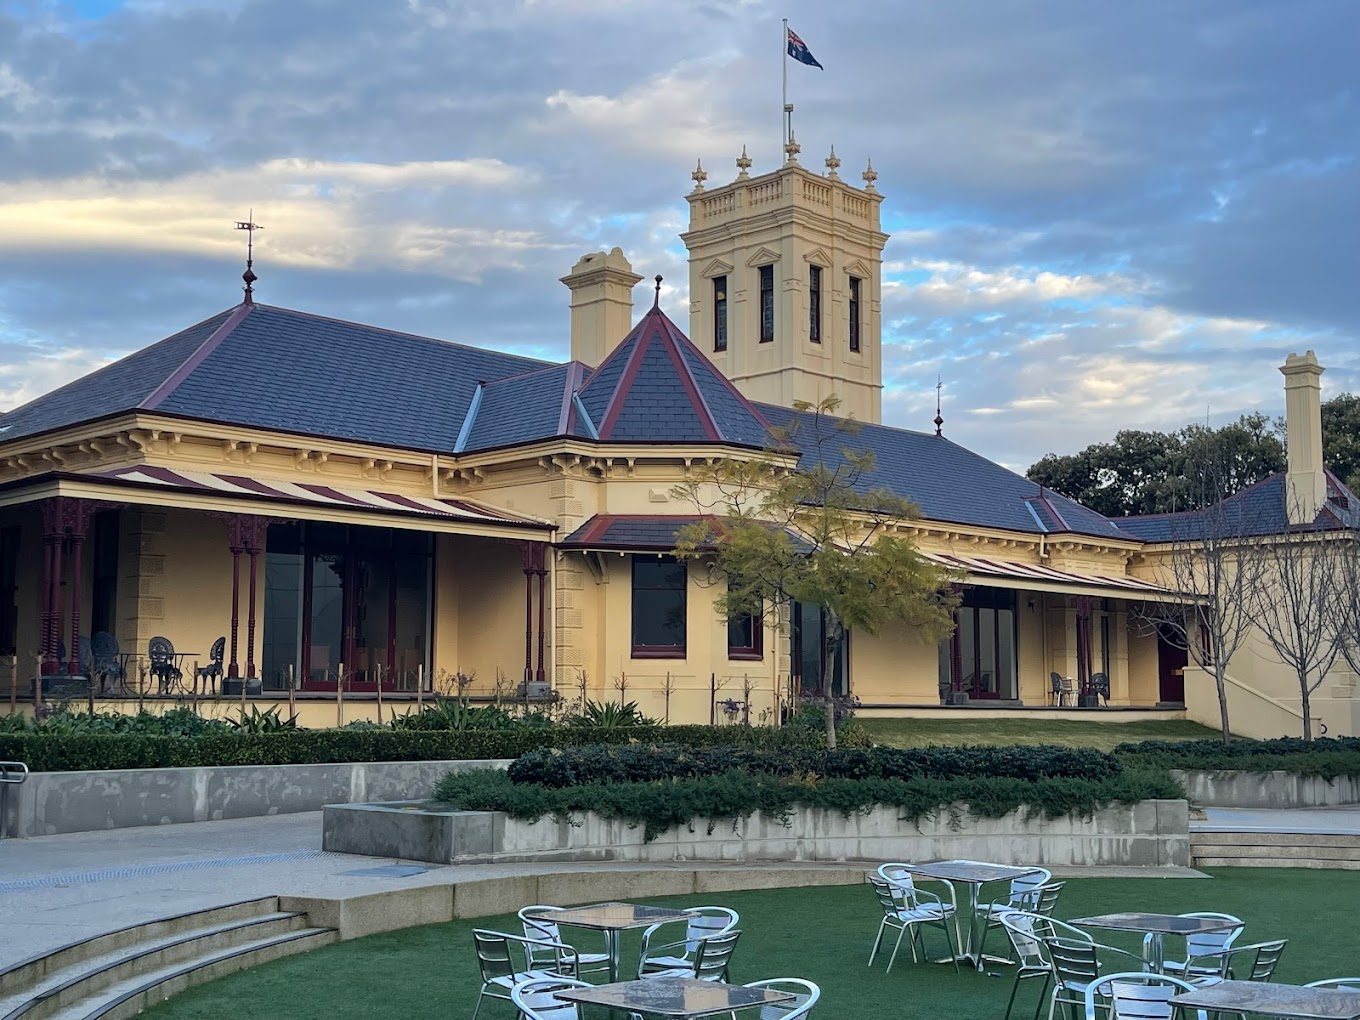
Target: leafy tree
pixel 1341 438
pixel 811 534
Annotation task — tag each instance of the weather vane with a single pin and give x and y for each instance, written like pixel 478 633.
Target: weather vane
pixel 939 418
pixel 249 226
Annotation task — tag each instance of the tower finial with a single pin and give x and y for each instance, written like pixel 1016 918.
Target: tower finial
pixel 249 226
pixel 833 164
pixel 939 418
pixel 870 175
pixel 656 302
pixel 743 164
pixel 791 150
pixel 699 176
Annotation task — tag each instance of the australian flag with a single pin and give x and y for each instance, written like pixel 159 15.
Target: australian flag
pixel 798 51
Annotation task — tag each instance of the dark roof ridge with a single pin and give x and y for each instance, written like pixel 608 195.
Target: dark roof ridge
pixel 169 383
pixel 410 336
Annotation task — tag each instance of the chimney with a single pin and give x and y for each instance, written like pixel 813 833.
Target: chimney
pixel 1305 482
pixel 601 304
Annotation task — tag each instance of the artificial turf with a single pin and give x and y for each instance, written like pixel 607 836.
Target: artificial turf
pixel 822 934
pixel 1099 734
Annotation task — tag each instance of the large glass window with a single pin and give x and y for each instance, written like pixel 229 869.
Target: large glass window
pixel 719 313
pixel 987 645
pixel 659 607
pixel 809 628
pixel 766 304
pixel 855 282
pixel 336 594
pixel 815 304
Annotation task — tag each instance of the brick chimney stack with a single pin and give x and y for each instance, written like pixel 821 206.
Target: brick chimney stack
pixel 1306 481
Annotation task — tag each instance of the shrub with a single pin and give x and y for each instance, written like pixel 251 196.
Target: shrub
pixel 451 714
pixel 609 716
pixel 738 794
pixel 599 763
pixel 1325 757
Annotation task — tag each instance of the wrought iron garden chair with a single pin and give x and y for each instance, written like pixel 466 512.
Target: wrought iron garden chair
pixel 1205 953
pixel 503 963
pixel 1024 895
pixel 1055 688
pixel 1137 995
pixel 537 928
pixel 681 956
pixel 1100 686
pixel 805 995
pixel 212 672
pixel 163 670
pixel 108 662
pixel 1077 964
pixel 536 998
pixel 906 908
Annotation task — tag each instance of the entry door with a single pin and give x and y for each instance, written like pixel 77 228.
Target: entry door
pixel 1171 663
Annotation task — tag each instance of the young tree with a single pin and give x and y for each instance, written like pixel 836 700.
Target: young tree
pixel 1215 555
pixel 815 534
pixel 1348 604
pixel 1297 607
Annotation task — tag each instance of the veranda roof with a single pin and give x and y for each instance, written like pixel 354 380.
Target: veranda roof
pixel 995 573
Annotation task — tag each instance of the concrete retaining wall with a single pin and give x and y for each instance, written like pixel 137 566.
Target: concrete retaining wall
pixel 1267 789
pixel 1150 833
pixel 57 802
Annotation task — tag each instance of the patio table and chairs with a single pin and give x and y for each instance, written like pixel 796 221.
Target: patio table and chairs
pixel 609 919
pixel 1137 995
pixel 680 997
pixel 1027 933
pixel 534 920
pixel 1157 926
pixel 1298 1002
pixel 503 963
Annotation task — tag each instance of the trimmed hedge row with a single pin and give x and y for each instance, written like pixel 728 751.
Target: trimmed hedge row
pixel 738 794
pixel 1325 757
pixel 79 752
pixel 598 763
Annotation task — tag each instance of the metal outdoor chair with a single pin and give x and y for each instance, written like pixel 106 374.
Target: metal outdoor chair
pixel 537 928
pixel 1349 984
pixel 1077 964
pixel 1255 962
pixel 1055 688
pixel 681 955
pixel 108 663
pixel 163 670
pixel 1100 686
pixel 1137 995
pixel 1069 691
pixel 1205 953
pixel 805 995
pixel 503 963
pixel 212 672
pixel 907 908
pixel 536 999
pixel 1023 895
pixel 1027 931
pixel 711 958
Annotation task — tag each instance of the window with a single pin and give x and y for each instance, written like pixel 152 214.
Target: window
pixel 104 587
pixel 854 313
pixel 815 304
pixel 659 606
pixel 719 313
pixel 745 637
pixel 809 630
pixel 766 304
pixel 987 645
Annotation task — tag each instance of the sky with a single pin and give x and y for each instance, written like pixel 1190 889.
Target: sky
pixel 1103 216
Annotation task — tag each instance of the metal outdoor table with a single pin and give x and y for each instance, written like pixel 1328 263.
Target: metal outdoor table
pixel 1269 999
pixel 973 874
pixel 1158 926
pixel 611 918
pixel 674 997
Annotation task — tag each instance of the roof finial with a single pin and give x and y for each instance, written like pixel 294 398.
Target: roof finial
pixel 791 150
pixel 249 226
pixel 743 164
pixel 870 175
pixel 699 176
pixel 833 164
pixel 939 418
pixel 656 303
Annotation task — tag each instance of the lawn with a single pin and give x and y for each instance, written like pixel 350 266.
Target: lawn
pixel 1100 735
pixel 823 934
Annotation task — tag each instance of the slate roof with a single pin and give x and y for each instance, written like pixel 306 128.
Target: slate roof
pixel 950 483
pixel 1258 509
pixel 267 367
pixel 631 531
pixel 524 409
pixel 657 387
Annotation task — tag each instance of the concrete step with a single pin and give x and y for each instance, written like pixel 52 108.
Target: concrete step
pixel 1223 848
pixel 1227 837
pixel 27 973
pixel 78 981
pixel 129 997
pixel 1275 862
pixel 1300 852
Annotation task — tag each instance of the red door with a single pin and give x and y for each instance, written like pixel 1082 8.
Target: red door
pixel 1171 663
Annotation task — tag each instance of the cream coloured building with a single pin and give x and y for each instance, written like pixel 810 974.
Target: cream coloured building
pixel 344 510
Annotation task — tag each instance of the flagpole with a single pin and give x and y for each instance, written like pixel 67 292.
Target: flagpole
pixel 784 62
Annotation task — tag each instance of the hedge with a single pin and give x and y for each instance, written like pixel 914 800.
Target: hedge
pixel 738 794
pixel 1325 757
pixel 600 763
pixel 79 752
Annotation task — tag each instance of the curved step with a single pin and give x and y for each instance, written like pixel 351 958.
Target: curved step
pixel 27 973
pixel 88 977
pixel 128 998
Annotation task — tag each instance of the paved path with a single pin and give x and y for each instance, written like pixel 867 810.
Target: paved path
pixel 1343 820
pixel 58 889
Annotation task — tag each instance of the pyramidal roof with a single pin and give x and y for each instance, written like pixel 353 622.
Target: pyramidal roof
pixel 657 387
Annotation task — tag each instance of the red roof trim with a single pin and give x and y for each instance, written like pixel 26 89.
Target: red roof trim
pixel 625 383
pixel 696 398
pixel 680 337
pixel 209 345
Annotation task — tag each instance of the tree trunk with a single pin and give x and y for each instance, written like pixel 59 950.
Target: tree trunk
pixel 1306 694
pixel 1221 684
pixel 830 643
